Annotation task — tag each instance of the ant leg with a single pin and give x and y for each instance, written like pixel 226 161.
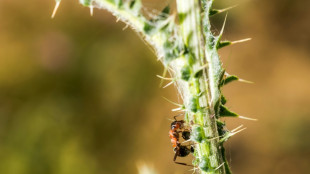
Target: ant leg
pixel 175 156
pixel 184 164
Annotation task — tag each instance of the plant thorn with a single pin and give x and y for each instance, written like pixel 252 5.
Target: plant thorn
pixel 240 80
pixel 240 41
pixel 219 166
pixel 91 10
pixel 170 83
pixel 226 9
pixel 247 118
pixel 177 109
pixel 224 23
pixel 55 9
pixel 245 81
pixel 236 128
pixel 164 75
pixel 125 27
pixel 177 104
pixel 234 133
pixel 210 139
pixel 164 78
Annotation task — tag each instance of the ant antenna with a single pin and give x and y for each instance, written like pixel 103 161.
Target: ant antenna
pixel 177 116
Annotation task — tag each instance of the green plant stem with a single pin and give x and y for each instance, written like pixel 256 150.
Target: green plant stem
pixel 191 27
pixel 188 51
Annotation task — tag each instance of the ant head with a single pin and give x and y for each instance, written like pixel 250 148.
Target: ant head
pixel 177 124
pixel 173 125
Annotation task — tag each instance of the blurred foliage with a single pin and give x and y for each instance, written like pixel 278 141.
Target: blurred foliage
pixel 79 95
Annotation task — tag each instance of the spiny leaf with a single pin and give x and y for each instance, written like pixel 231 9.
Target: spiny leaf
pixel 217 11
pixel 225 112
pixel 229 79
pixel 182 17
pixel 86 3
pixel 165 12
pixel 148 27
pixel 213 12
pixel 135 6
pixel 218 38
pixel 221 127
pixel 204 164
pixel 198 74
pixel 223 100
pixel 222 44
pixel 222 75
pixel 231 133
pixel 193 104
pixel 197 134
pixel 119 3
pixel 185 73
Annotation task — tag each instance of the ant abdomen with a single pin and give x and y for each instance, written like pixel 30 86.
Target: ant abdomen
pixel 183 151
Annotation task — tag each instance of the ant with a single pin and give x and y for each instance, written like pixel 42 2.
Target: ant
pixel 177 127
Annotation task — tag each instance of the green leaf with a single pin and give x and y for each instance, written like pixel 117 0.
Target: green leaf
pixel 230 79
pixel 221 127
pixel 166 10
pixel 85 2
pixel 213 12
pixel 217 11
pixel 204 164
pixel 225 112
pixel 148 27
pixel 193 104
pixel 223 100
pixel 198 74
pixel 182 17
pixel 197 134
pixel 135 6
pixel 222 44
pixel 221 76
pixel 185 73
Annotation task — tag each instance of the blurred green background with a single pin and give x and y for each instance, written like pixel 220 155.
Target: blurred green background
pixel 78 95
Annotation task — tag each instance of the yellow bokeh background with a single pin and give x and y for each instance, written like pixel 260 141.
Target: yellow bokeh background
pixel 79 95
